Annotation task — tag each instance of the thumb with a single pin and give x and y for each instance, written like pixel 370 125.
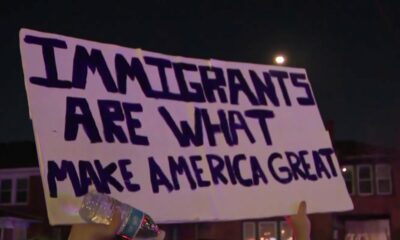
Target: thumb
pixel 302 210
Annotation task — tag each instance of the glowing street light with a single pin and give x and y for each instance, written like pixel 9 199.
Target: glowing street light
pixel 280 59
pixel 344 169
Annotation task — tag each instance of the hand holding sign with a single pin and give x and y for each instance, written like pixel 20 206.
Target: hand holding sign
pixel 101 208
pixel 300 223
pixel 93 231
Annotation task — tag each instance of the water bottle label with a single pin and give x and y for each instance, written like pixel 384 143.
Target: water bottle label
pixel 133 224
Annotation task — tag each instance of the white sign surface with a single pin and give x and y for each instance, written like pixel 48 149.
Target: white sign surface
pixel 182 139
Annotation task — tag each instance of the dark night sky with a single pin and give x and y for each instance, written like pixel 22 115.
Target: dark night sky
pixel 351 49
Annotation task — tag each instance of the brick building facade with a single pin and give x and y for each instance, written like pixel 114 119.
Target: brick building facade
pixel 371 179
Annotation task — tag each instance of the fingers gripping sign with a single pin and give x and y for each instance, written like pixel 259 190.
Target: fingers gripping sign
pixel 93 231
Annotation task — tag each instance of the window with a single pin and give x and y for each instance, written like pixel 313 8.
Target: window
pixel 249 231
pixel 14 190
pixel 267 231
pixel 22 190
pixel 383 179
pixel 285 231
pixel 364 174
pixel 348 175
pixel 5 190
pixel 368 229
pixel 368 179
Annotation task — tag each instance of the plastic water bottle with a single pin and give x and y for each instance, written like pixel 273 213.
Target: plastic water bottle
pixel 99 208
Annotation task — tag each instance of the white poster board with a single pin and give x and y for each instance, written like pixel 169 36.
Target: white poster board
pixel 182 139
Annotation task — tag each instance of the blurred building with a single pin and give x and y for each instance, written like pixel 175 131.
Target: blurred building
pixel 23 212
pixel 369 173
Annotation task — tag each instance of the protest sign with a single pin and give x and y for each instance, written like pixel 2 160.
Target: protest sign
pixel 183 139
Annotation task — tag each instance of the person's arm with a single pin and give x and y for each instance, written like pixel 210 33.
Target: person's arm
pixel 300 223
